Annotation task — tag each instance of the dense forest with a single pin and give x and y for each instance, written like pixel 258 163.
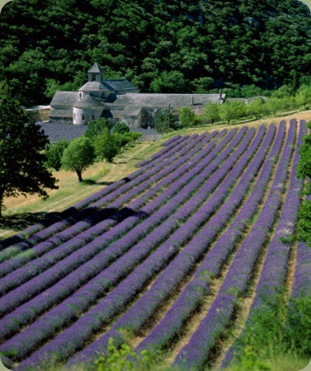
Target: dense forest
pixel 159 45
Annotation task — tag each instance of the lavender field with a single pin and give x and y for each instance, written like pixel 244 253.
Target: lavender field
pixel 171 257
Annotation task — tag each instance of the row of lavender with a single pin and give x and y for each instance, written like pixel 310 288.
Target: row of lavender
pixel 274 270
pixel 115 300
pixel 183 262
pixel 27 313
pixel 89 250
pixel 38 233
pixel 67 312
pixel 120 197
pixel 141 311
pixel 302 277
pixel 237 279
pixel 198 287
pixel 167 280
pixel 162 249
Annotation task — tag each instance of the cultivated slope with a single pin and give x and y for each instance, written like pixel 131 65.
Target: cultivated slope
pixel 168 257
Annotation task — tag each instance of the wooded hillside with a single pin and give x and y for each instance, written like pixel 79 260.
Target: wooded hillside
pixel 160 46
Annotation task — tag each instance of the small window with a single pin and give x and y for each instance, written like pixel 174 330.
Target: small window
pixel 93 117
pixel 93 77
pixel 83 117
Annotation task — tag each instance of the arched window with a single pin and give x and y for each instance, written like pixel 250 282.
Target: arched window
pixel 82 117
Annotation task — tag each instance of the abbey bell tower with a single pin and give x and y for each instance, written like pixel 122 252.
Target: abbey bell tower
pixel 95 73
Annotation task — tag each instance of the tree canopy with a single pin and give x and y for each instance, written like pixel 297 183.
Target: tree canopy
pixel 192 46
pixel 22 143
pixel 54 154
pixel 106 145
pixel 78 156
pixel 96 127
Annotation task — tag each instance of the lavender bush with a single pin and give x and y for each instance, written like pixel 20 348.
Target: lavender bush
pixel 239 273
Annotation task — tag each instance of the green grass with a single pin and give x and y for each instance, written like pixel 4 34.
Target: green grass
pixel 276 338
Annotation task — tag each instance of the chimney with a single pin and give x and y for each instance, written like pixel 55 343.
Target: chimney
pixel 220 96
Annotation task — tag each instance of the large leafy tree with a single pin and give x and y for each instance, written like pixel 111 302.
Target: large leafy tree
pixel 22 143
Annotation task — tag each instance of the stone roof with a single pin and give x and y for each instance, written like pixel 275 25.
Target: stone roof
pixel 96 86
pixel 95 69
pixel 64 99
pixel 66 113
pixel 131 111
pixel 88 102
pixel 164 100
pixel 122 86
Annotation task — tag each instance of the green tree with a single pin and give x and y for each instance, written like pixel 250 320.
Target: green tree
pixel 274 105
pixel 121 140
pixel 134 136
pixel 54 154
pixel 96 127
pixel 303 97
pixel 232 110
pixel 78 156
pixel 186 117
pixel 22 145
pixel 165 122
pixel 256 107
pixel 212 112
pixel 106 146
pixel 169 82
pixel 121 128
pixel 252 90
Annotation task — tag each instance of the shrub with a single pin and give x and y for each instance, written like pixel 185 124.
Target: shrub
pixel 121 128
pixel 124 358
pixel 303 96
pixel 298 326
pixel 269 338
pixel 165 122
pixel 186 117
pixel 211 112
